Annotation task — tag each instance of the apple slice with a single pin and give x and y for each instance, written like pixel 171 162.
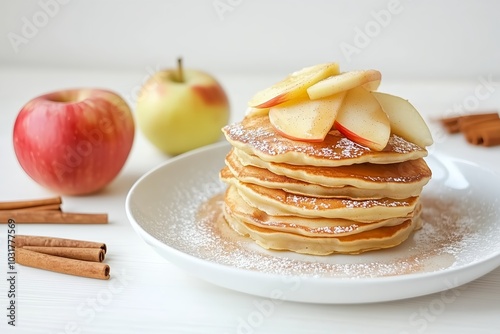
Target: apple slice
pixel 293 86
pixel 369 79
pixel 306 120
pixel 404 119
pixel 250 112
pixel 362 120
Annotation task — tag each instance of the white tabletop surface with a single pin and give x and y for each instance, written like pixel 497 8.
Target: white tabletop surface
pixel 147 294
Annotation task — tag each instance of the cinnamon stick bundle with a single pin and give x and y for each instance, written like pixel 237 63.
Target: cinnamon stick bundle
pixel 42 241
pixel 62 265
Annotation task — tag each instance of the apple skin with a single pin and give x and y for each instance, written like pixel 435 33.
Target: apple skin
pixel 355 137
pixel 180 116
pixel 362 120
pixel 74 142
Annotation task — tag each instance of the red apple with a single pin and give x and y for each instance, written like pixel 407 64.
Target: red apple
pixel 76 141
pixel 182 109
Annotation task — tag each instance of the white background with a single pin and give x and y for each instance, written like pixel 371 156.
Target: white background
pixel 438 54
pixel 419 39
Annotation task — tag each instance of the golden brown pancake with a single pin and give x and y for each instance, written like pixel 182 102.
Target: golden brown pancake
pixel 279 202
pixel 256 136
pixel 264 178
pixel 400 180
pixel 379 238
pixel 311 227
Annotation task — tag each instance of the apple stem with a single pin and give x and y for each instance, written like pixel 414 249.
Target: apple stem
pixel 180 72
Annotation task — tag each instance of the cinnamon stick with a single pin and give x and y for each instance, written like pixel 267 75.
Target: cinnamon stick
pixel 52 216
pixel 486 133
pixel 456 124
pixel 450 124
pixel 41 241
pixel 48 207
pixel 62 265
pixel 473 120
pixel 78 253
pixel 13 205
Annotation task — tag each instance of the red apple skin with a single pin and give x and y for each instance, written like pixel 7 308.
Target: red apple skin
pixel 279 99
pixel 281 133
pixel 352 136
pixel 74 142
pixel 212 95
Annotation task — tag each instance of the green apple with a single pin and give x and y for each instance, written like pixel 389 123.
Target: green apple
pixel 182 109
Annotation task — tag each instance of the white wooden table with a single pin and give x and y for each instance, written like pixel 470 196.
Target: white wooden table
pixel 147 294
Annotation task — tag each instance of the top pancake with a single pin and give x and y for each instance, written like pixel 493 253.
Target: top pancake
pixel 255 135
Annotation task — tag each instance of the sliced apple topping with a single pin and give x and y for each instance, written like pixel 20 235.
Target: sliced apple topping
pixel 250 112
pixel 404 119
pixel 294 86
pixel 306 120
pixel 362 120
pixel 368 79
pixel 308 103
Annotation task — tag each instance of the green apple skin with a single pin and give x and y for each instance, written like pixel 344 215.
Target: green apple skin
pixel 180 116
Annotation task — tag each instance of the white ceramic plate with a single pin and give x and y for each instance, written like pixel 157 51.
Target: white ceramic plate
pixel 460 240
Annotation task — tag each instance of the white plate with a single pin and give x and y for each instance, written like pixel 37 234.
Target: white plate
pixel 460 240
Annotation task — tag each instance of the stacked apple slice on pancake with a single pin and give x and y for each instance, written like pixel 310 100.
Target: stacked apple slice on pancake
pixel 322 164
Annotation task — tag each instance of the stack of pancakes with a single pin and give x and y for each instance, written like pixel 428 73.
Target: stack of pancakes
pixel 320 198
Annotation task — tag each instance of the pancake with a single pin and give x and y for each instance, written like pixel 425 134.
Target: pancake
pixel 379 238
pixel 256 136
pixel 265 178
pixel 326 195
pixel 400 180
pixel 311 227
pixel 279 202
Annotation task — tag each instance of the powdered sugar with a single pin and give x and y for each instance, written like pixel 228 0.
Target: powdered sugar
pixel 256 136
pixel 460 227
pixel 442 242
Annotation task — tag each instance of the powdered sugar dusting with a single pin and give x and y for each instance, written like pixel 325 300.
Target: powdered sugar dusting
pixel 443 242
pixel 385 202
pixel 460 227
pixel 257 135
pixel 438 245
